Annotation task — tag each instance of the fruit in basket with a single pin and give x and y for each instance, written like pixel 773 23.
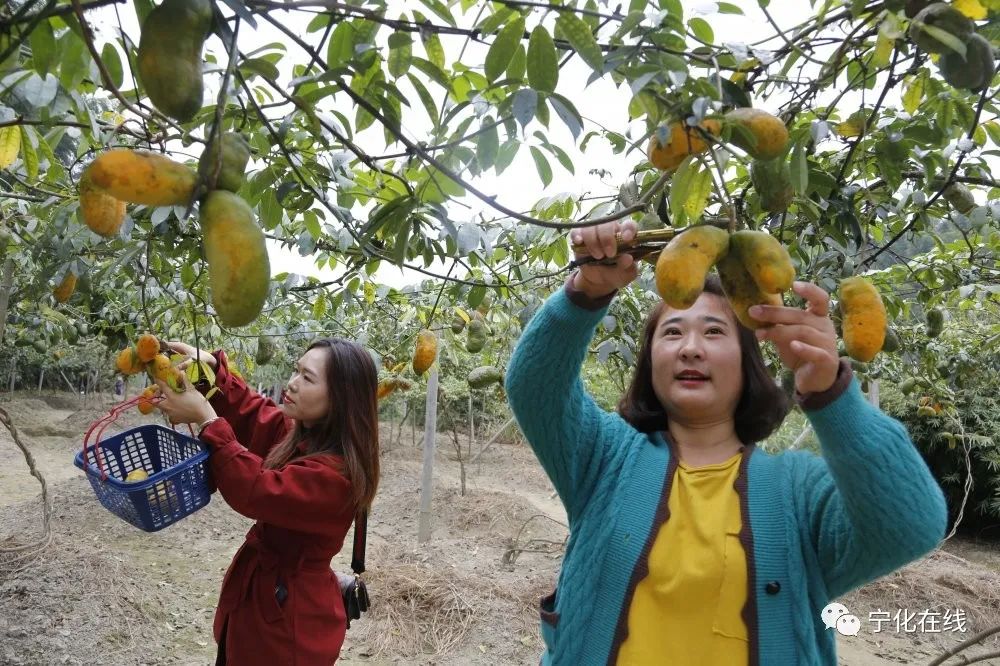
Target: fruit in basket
pixel 136 475
pixel 684 263
pixel 170 58
pixel 128 361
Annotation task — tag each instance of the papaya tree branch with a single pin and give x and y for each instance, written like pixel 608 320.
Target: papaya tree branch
pixel 890 82
pixel 50 11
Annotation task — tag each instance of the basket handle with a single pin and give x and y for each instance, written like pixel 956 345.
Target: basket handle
pixel 102 423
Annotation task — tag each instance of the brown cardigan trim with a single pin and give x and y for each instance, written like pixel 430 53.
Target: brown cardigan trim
pixel 749 613
pixel 642 566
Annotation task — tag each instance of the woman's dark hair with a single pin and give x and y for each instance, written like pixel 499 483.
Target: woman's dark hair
pixel 762 406
pixel 350 428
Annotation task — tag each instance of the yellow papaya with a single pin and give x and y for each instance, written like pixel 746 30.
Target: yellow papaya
pixel 66 287
pixel 685 261
pixel 425 351
pixel 742 291
pixel 238 267
pixel 146 404
pixel 169 56
pixel 161 368
pixel 140 177
pixel 765 259
pixel 391 384
pixel 770 136
pixel 864 322
pixel 147 346
pixel 128 361
pixel 669 145
pixel 100 211
pixel 225 160
pixel 772 179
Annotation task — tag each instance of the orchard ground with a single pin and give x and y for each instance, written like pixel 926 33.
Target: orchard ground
pixel 106 593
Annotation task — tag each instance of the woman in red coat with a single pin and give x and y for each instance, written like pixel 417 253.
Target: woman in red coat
pixel 302 470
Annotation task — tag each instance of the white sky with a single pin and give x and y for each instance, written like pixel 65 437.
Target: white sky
pixel 519 187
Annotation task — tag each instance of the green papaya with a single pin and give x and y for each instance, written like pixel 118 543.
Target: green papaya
pixel 226 159
pixel 935 323
pixel 265 350
pixel 891 343
pixel 485 375
pixel 238 267
pixel 943 17
pixel 485 304
pixel 975 70
pixel 476 336
pixel 169 56
pixel 960 197
pixel 907 386
pixel 457 324
pixel 772 179
pixel 40 346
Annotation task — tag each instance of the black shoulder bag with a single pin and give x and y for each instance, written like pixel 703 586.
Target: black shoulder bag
pixel 356 594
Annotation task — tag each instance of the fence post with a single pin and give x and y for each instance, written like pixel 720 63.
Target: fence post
pixel 427 481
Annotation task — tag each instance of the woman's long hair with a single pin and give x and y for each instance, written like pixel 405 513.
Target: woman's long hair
pixel 350 428
pixel 762 405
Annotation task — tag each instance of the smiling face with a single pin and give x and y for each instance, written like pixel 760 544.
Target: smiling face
pixel 697 369
pixel 307 396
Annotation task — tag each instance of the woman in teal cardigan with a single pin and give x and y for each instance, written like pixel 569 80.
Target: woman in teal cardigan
pixel 688 544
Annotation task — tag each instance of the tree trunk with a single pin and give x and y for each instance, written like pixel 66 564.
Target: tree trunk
pixel 13 374
pixel 427 481
pixel 5 287
pixel 41 378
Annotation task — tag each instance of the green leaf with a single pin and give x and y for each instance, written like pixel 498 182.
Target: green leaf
pixel 518 64
pixel 524 105
pixel 883 50
pixel 435 51
pixel 913 93
pixel 503 48
pixel 425 98
pixel 581 39
pixel 441 11
pixel 543 64
pixel 542 166
pixel 340 50
pixel 142 9
pixel 30 155
pixel 702 30
pixel 43 48
pixel 800 168
pixel 319 306
pixel 10 144
pixel 949 40
pixel 400 53
pixel 567 113
pixel 401 243
pixel 113 63
pixel 487 145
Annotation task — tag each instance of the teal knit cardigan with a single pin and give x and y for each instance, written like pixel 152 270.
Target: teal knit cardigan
pixel 818 527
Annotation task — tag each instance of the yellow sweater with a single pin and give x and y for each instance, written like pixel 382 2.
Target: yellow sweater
pixel 686 611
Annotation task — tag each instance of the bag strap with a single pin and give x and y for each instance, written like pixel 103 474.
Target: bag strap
pixel 360 534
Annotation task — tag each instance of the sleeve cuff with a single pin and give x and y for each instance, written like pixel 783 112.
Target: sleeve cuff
pixel 582 300
pixel 819 400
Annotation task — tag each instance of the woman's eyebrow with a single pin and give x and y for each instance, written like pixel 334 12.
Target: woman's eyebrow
pixel 705 318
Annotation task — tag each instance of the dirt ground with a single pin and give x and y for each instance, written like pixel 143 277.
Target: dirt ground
pixel 105 593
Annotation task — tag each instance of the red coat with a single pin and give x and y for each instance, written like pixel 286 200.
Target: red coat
pixel 303 512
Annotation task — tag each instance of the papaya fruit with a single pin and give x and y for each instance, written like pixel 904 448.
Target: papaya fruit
pixel 457 324
pixel 100 211
pixel 265 350
pixel 770 136
pixel 169 56
pixel 864 321
pixel 147 346
pixel 476 335
pixel 485 375
pixel 907 386
pixel 926 411
pixel 224 161
pixel 742 291
pixel 670 144
pixel 891 343
pixel 484 305
pixel 425 351
pixel 940 16
pixel 146 404
pixel 960 197
pixel 65 288
pixel 772 179
pixel 767 260
pixel 40 346
pixel 935 322
pixel 974 71
pixel 128 361
pixel 141 177
pixel 685 261
pixel 239 270
pixel 161 368
pixel 390 385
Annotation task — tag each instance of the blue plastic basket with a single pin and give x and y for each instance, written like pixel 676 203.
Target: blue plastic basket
pixel 177 466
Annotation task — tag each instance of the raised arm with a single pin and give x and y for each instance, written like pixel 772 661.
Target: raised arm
pixel 871 503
